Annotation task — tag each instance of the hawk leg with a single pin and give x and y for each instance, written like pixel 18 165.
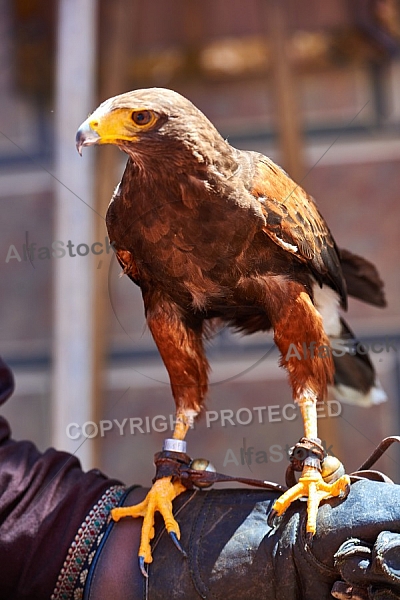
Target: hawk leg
pixel 159 498
pixel 311 483
pixel 301 325
pixel 181 348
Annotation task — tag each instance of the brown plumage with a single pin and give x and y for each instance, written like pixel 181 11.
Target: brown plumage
pixel 208 231
pixel 211 232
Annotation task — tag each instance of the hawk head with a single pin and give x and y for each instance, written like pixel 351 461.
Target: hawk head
pixel 154 121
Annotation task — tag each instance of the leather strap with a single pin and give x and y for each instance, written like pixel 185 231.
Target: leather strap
pixel 177 466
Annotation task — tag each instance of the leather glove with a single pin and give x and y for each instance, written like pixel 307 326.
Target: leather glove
pixel 233 553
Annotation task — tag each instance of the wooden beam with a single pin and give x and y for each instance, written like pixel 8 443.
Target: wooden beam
pixel 285 90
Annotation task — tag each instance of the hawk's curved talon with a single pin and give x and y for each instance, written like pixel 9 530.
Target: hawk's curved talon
pixel 142 567
pixel 174 538
pixel 159 499
pixel 309 538
pixel 346 491
pixel 271 518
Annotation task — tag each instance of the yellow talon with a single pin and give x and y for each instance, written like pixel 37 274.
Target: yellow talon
pixel 312 486
pixel 159 498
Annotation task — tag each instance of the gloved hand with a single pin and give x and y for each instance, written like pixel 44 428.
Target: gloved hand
pixel 370 571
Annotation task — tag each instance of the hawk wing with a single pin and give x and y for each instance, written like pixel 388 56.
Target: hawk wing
pixel 294 223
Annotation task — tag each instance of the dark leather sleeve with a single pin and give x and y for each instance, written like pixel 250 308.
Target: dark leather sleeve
pixel 44 498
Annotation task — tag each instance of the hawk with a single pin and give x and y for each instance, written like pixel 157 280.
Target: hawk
pixel 210 232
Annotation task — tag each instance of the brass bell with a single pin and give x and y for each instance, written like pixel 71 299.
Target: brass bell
pixel 332 469
pixel 202 464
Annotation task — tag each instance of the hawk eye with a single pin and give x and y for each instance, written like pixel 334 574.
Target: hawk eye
pixel 142 117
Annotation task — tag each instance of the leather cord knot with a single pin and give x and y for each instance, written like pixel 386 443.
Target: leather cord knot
pixel 171 464
pixel 306 449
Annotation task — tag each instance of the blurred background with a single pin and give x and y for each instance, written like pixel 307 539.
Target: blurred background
pixel 314 85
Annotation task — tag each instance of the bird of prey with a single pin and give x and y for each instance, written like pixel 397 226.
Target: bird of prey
pixel 212 232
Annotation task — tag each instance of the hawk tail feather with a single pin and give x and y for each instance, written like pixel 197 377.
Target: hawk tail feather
pixel 355 379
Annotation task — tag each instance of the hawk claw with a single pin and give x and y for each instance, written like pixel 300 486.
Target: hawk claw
pixel 159 499
pixel 271 518
pixel 142 567
pixel 309 538
pixel 174 538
